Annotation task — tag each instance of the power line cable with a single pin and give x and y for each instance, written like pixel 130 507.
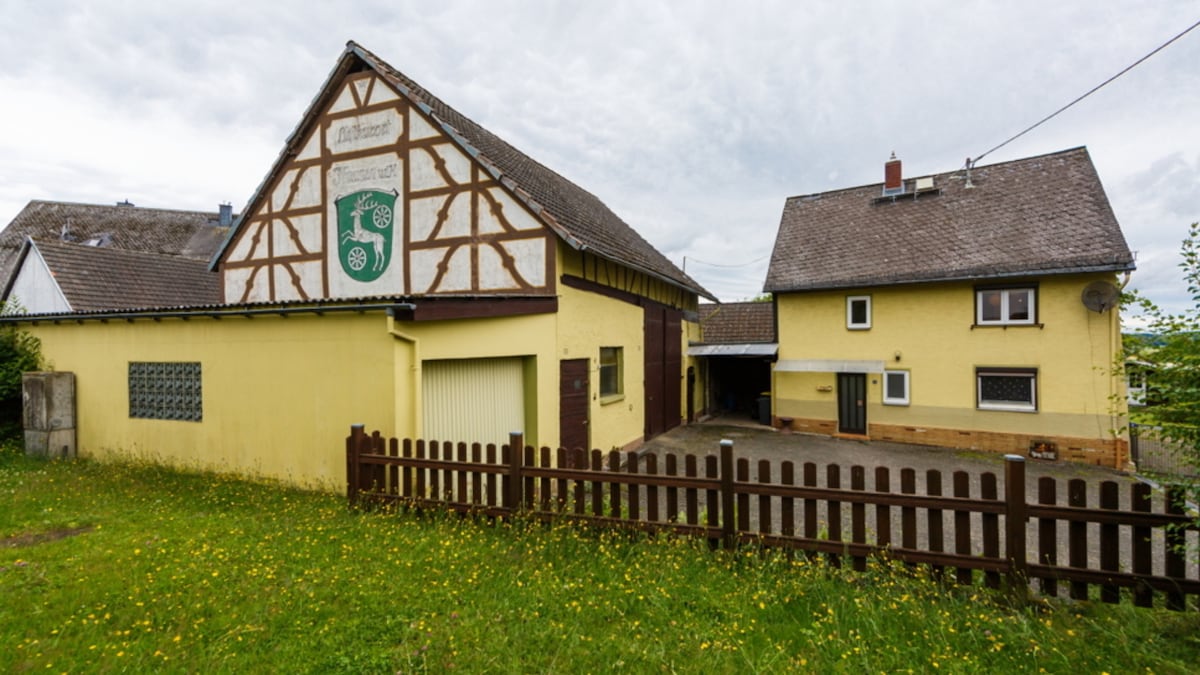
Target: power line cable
pixel 745 264
pixel 971 162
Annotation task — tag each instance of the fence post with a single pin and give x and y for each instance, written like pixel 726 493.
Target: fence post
pixel 728 520
pixel 353 466
pixel 516 454
pixel 1014 527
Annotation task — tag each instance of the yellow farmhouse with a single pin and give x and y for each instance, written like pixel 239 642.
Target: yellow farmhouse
pixel 401 267
pixel 972 309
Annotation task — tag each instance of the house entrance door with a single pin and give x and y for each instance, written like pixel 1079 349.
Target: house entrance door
pixel 852 403
pixel 573 400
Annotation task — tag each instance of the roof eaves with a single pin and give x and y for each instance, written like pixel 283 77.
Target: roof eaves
pixel 866 282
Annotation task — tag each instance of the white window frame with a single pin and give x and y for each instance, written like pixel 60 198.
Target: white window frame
pixel 904 400
pixel 1012 406
pixel 1005 295
pixel 850 300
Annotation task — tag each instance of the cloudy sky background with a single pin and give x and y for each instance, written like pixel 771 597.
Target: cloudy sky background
pixel 693 121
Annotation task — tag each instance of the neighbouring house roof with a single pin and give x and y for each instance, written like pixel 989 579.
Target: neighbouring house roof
pixel 575 214
pixel 736 329
pixel 1035 216
pixel 95 278
pixel 737 322
pixel 190 234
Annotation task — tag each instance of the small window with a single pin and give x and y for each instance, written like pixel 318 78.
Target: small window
pixel 895 387
pixel 858 312
pixel 165 391
pixel 1005 306
pixel 1006 389
pixel 611 377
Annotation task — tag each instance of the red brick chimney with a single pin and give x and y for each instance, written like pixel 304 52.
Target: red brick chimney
pixel 892 181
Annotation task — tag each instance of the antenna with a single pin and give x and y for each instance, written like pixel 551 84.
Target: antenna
pixel 1100 296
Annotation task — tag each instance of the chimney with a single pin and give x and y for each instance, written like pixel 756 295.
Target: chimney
pixel 125 202
pixel 893 183
pixel 226 215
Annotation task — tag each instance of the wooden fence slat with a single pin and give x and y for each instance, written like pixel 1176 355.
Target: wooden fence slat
pixel 672 469
pixel 407 486
pixel 787 507
pixel 529 484
pixel 419 490
pixel 494 480
pixel 579 461
pixel 1015 531
pixel 962 527
pixel 433 451
pixel 544 496
pixel 743 498
pixel 765 519
pixel 1143 595
pixel 691 495
pixel 1048 533
pixel 635 501
pixel 477 498
pixel 1110 541
pixel 393 470
pixel 858 515
pixel 1174 558
pixel 652 489
pixel 1077 537
pixel 597 486
pixel 614 488
pixel 990 525
pixel 720 502
pixel 833 514
pixel 883 512
pixel 810 505
pixel 934 518
pixel 908 514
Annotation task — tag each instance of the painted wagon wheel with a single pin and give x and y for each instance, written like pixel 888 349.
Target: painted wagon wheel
pixel 357 258
pixel 382 216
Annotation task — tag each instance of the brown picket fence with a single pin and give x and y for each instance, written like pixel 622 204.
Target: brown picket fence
pixel 1138 541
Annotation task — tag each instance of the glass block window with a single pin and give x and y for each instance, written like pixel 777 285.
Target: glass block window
pixel 165 391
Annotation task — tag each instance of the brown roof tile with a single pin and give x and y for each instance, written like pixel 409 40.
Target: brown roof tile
pixel 1040 215
pixel 100 278
pixel 191 234
pixel 737 323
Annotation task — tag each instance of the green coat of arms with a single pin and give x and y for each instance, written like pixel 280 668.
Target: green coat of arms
pixel 365 221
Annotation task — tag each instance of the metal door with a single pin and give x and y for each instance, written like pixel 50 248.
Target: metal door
pixel 852 403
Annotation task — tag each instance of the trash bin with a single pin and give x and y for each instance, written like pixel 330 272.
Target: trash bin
pixel 764 408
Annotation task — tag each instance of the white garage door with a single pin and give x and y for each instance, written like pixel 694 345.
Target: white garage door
pixel 472 400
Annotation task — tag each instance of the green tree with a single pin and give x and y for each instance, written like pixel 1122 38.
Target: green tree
pixel 20 352
pixel 1172 346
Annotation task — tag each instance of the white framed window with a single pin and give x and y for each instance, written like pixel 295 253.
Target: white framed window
pixel 612 379
pixel 858 312
pixel 1006 306
pixel 1006 389
pixel 895 387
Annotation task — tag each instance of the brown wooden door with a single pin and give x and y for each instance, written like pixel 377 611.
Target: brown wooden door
pixel 662 346
pixel 573 398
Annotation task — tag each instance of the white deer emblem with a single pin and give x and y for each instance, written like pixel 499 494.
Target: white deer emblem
pixel 365 236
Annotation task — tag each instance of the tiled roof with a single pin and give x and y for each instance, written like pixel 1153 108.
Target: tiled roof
pixel 737 323
pixel 1041 215
pixel 577 215
pixel 191 234
pixel 99 278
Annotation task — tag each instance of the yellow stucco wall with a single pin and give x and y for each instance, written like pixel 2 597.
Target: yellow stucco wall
pixel 279 394
pixel 932 329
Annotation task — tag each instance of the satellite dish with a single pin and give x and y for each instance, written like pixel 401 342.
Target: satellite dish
pixel 1100 296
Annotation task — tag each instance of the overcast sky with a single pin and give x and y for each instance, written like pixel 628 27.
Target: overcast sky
pixel 693 121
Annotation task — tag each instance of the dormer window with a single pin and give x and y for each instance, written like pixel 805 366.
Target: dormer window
pixel 1012 306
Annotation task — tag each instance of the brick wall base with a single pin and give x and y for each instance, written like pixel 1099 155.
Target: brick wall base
pixel 1109 452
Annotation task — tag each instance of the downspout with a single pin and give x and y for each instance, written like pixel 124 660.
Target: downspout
pixel 413 393
pixel 1118 394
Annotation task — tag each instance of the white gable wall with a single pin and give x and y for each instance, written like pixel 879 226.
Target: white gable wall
pixel 35 289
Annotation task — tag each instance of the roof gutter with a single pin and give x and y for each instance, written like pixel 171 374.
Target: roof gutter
pixel 246 312
pixel 865 283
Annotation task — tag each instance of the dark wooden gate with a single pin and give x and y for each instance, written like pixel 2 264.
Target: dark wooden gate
pixel 663 348
pixel 852 403
pixel 573 399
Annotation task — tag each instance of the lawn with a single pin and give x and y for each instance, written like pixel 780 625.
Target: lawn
pixel 124 567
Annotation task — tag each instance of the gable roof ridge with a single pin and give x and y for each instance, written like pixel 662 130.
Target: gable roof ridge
pixel 952 172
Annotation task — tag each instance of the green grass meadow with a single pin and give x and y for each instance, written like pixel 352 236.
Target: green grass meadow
pixel 137 568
